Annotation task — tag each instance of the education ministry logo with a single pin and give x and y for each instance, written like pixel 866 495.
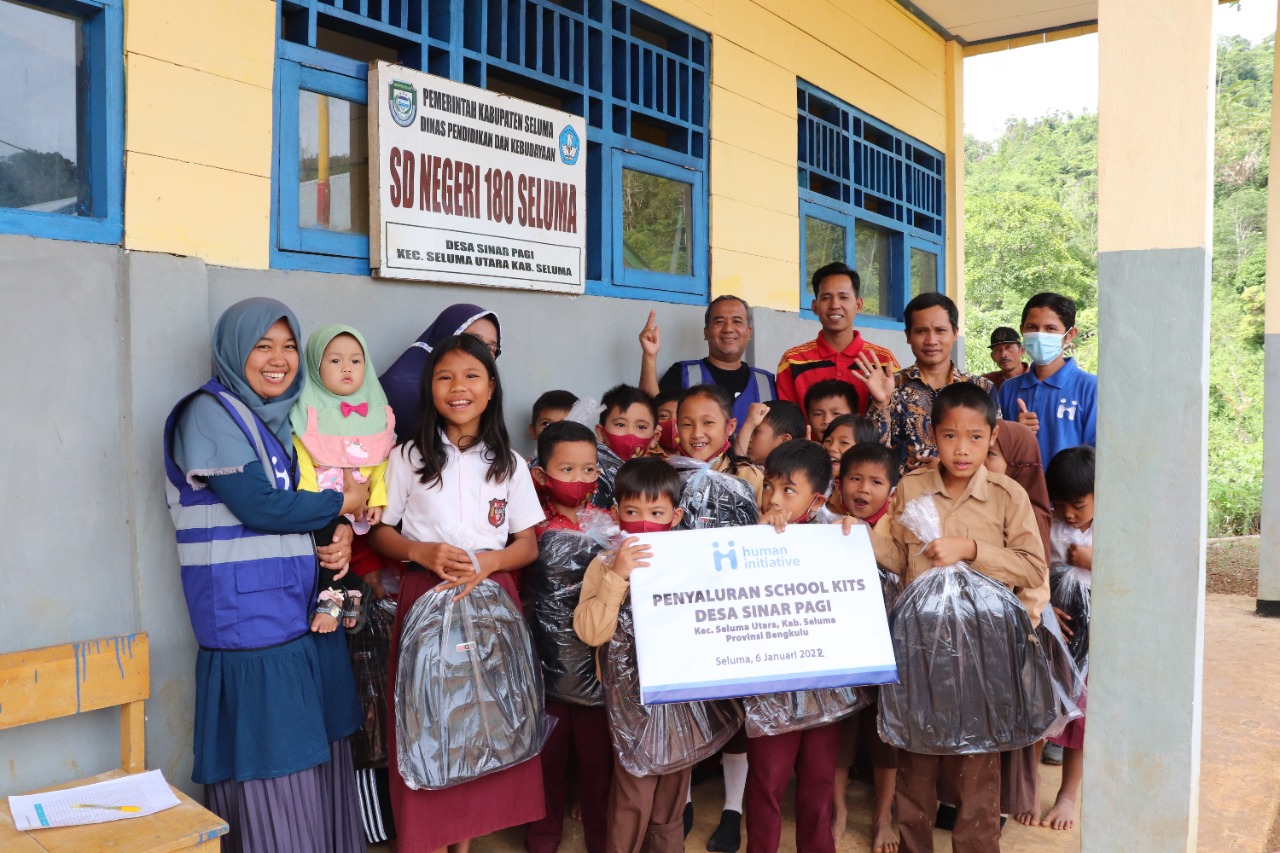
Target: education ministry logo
pixel 570 146
pixel 402 98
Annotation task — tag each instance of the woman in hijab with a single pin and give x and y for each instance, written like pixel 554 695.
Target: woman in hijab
pixel 402 381
pixel 275 703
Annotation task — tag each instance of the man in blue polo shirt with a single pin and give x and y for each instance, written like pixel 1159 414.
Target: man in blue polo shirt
pixel 1055 398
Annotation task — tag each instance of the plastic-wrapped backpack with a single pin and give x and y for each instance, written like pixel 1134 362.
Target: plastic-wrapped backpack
pixel 607 463
pixel 1068 681
pixel 711 498
pixel 370 647
pixel 552 586
pixel 779 713
pixel 1072 590
pixel 469 698
pixel 652 740
pixel 972 676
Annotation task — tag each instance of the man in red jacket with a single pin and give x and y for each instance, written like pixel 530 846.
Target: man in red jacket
pixel 839 351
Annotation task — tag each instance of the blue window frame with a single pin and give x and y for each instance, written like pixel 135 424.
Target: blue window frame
pixel 873 197
pixel 62 176
pixel 640 78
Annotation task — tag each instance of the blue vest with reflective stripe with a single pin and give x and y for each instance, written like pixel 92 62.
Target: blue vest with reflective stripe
pixel 760 387
pixel 245 589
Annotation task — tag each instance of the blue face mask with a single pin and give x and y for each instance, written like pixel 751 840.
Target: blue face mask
pixel 1043 347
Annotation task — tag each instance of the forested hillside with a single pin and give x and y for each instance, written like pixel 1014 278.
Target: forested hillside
pixel 1031 224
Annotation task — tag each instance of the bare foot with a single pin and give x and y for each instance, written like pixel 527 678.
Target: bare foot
pixel 884 838
pixel 839 819
pixel 323 623
pixel 1062 815
pixel 1028 818
pixel 575 811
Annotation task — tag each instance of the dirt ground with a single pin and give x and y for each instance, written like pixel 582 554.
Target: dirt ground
pixel 1231 566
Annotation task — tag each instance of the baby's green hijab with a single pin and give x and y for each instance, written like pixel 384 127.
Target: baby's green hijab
pixel 328 406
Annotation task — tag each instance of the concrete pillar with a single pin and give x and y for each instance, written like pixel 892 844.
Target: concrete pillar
pixel 1269 553
pixel 1155 150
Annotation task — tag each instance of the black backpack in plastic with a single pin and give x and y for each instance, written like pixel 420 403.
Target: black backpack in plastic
pixel 469 698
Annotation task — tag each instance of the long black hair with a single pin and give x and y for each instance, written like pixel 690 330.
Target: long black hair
pixel 429 439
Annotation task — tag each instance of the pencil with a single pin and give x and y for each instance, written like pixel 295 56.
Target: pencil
pixel 108 808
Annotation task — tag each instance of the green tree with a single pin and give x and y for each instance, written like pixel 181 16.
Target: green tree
pixel 1031 225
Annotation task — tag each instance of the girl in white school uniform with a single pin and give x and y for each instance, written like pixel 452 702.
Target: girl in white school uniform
pixel 458 478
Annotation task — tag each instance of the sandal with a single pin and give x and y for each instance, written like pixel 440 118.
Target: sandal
pixel 354 610
pixel 330 603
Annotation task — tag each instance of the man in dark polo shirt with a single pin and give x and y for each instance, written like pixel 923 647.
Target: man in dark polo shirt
pixel 727 331
pixel 1007 353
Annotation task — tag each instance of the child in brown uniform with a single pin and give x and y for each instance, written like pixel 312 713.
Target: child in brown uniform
pixel 642 809
pixel 987 522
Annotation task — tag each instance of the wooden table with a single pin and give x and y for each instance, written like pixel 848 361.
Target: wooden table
pixel 186 826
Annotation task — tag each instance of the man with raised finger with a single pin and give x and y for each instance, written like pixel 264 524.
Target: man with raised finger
pixel 902 404
pixel 835 352
pixel 727 331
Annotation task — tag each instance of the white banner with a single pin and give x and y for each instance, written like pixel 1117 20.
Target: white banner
pixel 746 610
pixel 473 187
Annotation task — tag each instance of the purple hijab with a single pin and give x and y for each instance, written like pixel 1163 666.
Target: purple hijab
pixel 402 381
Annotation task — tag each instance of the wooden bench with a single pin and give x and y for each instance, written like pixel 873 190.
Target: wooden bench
pixel 59 681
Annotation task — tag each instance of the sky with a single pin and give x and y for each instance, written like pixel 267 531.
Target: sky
pixel 1030 82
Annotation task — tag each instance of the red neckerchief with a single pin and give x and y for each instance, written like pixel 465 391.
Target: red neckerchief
pixel 557 521
pixel 879 514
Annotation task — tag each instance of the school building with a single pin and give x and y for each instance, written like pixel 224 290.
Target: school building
pixel 161 160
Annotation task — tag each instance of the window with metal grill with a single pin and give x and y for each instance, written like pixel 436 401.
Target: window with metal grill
pixel 639 77
pixel 870 196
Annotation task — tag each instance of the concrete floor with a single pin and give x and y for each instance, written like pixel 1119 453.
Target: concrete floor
pixel 1240 759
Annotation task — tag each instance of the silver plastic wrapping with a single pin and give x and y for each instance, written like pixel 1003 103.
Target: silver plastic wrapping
pixel 779 713
pixel 469 698
pixel 1068 681
pixel 551 588
pixel 652 740
pixel 1071 593
pixel 607 464
pixel 972 676
pixel 712 498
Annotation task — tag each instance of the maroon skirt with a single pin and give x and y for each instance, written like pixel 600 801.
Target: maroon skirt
pixel 429 820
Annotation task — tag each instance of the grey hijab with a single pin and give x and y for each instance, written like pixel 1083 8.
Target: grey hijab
pixel 207 442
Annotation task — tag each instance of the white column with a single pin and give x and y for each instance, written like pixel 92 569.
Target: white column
pixel 1155 149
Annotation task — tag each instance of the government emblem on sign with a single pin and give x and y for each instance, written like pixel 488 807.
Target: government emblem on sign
pixel 570 145
pixel 402 98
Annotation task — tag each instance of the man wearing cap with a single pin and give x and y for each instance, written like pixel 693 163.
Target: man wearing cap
pixel 1007 352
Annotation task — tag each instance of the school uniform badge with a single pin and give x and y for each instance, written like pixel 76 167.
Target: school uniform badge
pixel 497 511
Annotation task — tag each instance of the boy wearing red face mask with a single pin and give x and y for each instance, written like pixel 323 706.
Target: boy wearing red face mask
pixel 628 422
pixel 641 808
pixel 566 480
pixel 667 439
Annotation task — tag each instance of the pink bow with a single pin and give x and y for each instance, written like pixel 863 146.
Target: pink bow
pixel 362 410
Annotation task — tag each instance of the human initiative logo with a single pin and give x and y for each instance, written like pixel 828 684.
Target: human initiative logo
pixel 729 556
pixel 570 146
pixel 402 98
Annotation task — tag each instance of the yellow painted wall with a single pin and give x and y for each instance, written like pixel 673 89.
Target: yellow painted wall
pixel 869 53
pixel 199 122
pixel 198 128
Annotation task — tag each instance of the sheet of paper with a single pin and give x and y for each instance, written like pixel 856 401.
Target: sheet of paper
pixel 149 792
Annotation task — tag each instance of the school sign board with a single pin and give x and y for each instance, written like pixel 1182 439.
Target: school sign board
pixel 473 187
pixel 747 610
